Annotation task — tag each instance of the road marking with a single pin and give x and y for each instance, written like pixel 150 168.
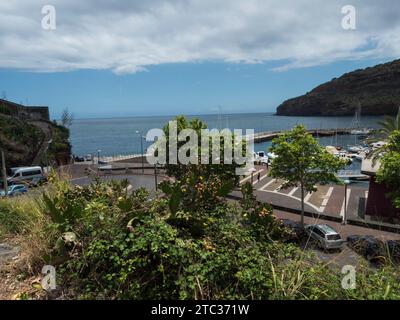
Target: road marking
pixel 249 176
pixel 307 197
pixel 286 195
pixel 79 178
pixel 266 185
pixel 326 199
pixel 293 191
pixel 347 204
pixel 279 188
pixel 263 177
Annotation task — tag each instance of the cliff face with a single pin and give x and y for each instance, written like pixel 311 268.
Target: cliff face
pixel 20 140
pixel 377 89
pixel 26 142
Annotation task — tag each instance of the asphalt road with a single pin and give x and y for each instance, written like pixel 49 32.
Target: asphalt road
pixel 136 181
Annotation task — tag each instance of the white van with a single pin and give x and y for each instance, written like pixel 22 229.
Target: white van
pixel 31 175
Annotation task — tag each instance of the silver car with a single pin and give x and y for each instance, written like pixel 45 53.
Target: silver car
pixel 326 236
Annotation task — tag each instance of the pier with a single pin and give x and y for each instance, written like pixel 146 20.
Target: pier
pixel 269 135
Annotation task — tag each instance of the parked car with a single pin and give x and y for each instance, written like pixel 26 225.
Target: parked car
pixel 29 175
pixel 326 236
pixel 261 158
pixel 393 248
pixel 79 159
pixel 14 190
pixel 367 246
pixel 295 227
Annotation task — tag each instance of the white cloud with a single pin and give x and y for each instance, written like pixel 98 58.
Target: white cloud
pixel 128 36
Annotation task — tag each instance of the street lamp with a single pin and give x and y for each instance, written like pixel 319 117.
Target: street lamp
pixel 252 174
pixel 155 176
pixel 98 159
pixel 141 146
pixel 344 220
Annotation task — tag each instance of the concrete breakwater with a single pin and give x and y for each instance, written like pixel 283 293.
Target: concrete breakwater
pixel 267 136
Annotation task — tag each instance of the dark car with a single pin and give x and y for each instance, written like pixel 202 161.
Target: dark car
pixel 368 246
pixel 296 228
pixel 393 248
pixel 79 159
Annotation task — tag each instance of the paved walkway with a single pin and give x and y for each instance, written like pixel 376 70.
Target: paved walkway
pixel 327 200
pixel 326 203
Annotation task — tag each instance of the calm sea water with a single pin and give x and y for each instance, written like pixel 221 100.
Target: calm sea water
pixel 118 136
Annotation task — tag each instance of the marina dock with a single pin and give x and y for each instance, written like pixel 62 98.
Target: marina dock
pixel 267 136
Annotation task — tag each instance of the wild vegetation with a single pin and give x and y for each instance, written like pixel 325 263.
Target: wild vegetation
pixel 375 88
pixel 389 172
pixel 19 139
pixel 107 244
pixel 188 242
pixel 60 147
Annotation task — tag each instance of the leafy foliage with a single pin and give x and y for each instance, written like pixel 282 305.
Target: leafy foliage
pixel 129 247
pixel 389 172
pixel 388 126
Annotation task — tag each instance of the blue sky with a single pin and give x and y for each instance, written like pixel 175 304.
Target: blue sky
pixel 189 88
pixel 162 57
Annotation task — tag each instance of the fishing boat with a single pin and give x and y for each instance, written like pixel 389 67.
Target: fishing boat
pixel 339 154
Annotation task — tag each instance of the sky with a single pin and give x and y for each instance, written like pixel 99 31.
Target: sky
pixel 164 57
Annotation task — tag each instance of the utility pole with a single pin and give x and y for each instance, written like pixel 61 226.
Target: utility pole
pixel 3 169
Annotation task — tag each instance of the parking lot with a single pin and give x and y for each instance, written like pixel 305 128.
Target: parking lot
pixel 346 256
pixel 328 199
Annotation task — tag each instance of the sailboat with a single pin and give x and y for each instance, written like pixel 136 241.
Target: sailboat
pixel 360 133
pixel 357 151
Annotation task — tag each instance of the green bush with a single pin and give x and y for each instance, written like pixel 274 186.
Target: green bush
pixel 112 245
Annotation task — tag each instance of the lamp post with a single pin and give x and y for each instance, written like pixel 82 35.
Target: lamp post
pixel 155 176
pixel 98 159
pixel 3 165
pixel 252 174
pixel 141 148
pixel 346 183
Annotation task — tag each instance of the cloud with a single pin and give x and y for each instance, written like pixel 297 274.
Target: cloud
pixel 129 36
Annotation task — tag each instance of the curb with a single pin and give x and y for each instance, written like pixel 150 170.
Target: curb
pixel 329 218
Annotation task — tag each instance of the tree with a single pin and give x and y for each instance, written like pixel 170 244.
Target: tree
pixel 302 162
pixel 226 172
pixel 198 187
pixel 388 126
pixel 66 118
pixel 389 172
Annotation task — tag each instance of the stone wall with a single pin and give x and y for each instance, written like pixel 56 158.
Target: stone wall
pixel 24 112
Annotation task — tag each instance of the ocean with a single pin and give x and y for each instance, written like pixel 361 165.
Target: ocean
pixel 117 136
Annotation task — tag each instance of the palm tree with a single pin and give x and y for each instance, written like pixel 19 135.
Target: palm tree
pixel 388 125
